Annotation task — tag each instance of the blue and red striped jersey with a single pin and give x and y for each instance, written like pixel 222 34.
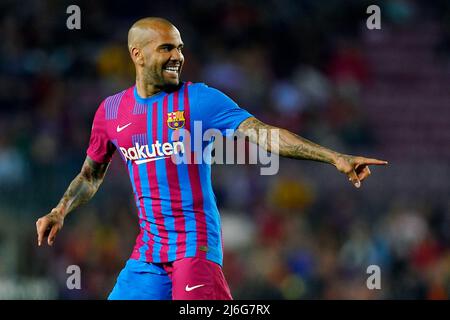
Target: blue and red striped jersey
pixel 178 214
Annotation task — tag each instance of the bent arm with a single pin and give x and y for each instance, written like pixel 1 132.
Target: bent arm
pixel 284 142
pixel 80 191
pixel 83 187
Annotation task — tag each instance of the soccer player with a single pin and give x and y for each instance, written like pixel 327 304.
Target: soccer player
pixel 178 252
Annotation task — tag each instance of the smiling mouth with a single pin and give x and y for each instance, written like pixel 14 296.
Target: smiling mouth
pixel 174 70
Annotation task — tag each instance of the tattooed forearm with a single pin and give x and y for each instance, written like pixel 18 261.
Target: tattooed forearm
pixel 294 146
pixel 84 186
pixel 287 145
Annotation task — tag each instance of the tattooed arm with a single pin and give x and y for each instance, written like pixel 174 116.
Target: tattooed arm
pixel 290 145
pixel 80 191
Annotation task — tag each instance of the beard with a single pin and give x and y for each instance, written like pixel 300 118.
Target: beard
pixel 155 77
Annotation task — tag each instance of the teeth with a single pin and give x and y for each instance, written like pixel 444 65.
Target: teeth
pixel 171 69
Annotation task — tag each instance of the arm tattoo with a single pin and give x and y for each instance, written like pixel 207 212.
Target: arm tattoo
pixel 287 145
pixel 84 186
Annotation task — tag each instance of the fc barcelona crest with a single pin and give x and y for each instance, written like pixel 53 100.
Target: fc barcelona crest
pixel 175 120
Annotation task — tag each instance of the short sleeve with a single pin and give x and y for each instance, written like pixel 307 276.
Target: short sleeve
pixel 100 149
pixel 218 111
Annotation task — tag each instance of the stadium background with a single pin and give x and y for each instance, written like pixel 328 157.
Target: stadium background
pixel 304 233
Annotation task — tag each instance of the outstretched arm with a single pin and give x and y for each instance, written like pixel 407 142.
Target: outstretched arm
pixel 80 191
pixel 290 145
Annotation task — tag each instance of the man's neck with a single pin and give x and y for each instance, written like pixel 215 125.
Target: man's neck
pixel 146 90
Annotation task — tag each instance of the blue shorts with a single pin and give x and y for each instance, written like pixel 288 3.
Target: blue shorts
pixel 142 281
pixel 185 279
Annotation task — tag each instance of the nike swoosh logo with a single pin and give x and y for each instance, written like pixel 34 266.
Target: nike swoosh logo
pixel 119 128
pixel 192 288
pixel 149 160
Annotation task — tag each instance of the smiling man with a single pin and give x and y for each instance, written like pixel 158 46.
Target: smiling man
pixel 178 252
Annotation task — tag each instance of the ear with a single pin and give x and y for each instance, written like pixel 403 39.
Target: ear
pixel 137 56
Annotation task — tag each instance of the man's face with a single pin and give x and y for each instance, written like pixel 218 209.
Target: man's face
pixel 163 59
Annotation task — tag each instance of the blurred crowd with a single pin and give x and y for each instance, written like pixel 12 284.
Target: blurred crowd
pixel 304 233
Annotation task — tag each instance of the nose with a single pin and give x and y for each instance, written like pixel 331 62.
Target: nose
pixel 176 55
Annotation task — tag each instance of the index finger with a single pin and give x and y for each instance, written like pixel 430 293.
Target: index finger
pixel 372 161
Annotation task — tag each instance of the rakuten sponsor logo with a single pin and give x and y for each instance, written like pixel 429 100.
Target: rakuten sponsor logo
pixel 156 151
pixel 210 147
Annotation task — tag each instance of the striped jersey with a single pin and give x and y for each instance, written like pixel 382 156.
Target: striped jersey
pixel 161 140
